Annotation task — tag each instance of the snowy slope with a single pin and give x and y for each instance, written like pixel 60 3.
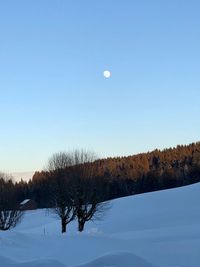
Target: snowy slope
pixel 159 229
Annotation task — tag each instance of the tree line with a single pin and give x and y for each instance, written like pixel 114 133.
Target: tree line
pixel 123 176
pixel 107 178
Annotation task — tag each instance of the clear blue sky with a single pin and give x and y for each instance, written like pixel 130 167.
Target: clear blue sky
pixel 54 96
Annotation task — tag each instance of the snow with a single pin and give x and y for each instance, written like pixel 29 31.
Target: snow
pixel 24 201
pixel 158 229
pixel 119 259
pixel 42 263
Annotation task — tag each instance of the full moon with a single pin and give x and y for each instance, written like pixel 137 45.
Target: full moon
pixel 106 73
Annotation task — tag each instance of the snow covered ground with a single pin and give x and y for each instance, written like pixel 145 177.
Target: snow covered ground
pixel 159 229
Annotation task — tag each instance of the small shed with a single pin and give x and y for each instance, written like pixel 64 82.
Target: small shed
pixel 28 204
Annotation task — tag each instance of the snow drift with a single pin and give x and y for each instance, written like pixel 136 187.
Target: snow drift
pixel 158 229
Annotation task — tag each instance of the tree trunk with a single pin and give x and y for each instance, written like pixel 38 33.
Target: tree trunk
pixel 81 225
pixel 63 226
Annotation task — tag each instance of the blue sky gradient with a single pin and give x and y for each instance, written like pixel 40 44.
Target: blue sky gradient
pixel 54 96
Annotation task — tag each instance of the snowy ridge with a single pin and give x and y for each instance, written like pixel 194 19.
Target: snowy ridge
pixel 118 259
pixel 158 229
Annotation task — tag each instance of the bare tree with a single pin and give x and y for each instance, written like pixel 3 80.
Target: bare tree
pixel 86 189
pixel 62 203
pixel 77 192
pixel 88 202
pixel 10 214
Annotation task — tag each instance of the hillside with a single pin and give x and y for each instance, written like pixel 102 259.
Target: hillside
pixel 123 176
pixel 159 229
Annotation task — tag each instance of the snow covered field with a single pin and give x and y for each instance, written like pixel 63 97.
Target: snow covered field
pixel 159 229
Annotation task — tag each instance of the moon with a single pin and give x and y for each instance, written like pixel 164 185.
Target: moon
pixel 106 73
